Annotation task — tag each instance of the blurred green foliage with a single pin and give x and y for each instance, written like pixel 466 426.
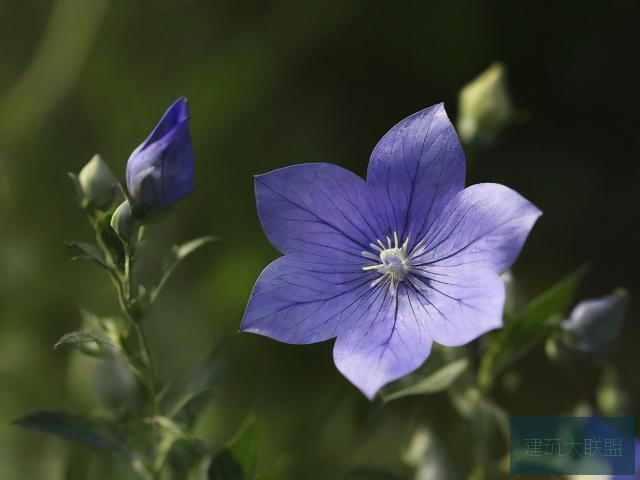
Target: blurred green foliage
pixel 273 84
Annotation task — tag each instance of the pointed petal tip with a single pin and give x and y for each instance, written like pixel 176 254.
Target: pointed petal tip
pixel 179 108
pixel 369 390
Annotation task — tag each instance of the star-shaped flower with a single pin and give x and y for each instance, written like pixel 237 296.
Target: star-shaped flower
pixel 391 264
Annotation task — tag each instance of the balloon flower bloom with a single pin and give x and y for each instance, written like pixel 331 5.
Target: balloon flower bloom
pixel 390 264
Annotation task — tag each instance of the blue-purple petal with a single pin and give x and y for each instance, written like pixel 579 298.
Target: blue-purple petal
pixel 299 299
pixel 317 209
pixel 415 169
pixel 483 227
pixel 387 340
pixel 457 305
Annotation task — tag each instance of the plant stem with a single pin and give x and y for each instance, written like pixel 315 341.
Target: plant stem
pixel 148 360
pixel 145 351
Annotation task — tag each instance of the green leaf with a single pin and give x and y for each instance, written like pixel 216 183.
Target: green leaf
pixel 87 342
pixel 177 254
pixel 238 461
pixel 438 381
pixel 529 327
pixel 86 251
pixel 199 388
pixel 187 248
pixel 92 432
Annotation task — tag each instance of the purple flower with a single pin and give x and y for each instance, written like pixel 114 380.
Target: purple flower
pixel 161 170
pixel 391 264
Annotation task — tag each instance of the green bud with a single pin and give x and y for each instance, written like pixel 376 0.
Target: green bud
pixel 97 184
pixel 485 106
pixel 123 221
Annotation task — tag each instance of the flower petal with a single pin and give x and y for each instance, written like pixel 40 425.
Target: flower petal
pixel 415 169
pixel 484 226
pixel 176 115
pixel 299 299
pixel 317 209
pixel 387 339
pixel 458 306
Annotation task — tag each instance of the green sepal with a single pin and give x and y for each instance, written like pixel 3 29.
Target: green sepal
pixel 86 342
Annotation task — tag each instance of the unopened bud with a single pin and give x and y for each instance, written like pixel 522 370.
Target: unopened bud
pixel 97 184
pixel 485 106
pixel 595 323
pixel 123 221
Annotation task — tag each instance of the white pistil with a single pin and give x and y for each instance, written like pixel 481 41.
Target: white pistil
pixel 392 262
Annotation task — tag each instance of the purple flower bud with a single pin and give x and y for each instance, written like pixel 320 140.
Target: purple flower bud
pixel 595 323
pixel 161 170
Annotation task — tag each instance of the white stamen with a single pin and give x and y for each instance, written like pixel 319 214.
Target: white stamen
pixel 371 256
pixel 392 262
pixel 376 247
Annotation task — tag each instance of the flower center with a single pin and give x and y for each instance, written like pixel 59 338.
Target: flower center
pixel 391 262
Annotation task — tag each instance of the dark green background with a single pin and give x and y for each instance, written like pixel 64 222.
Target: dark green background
pixel 278 83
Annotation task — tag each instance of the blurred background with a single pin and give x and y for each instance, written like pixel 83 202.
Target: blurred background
pixel 279 83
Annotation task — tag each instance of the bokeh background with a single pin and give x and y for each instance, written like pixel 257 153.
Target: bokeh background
pixel 273 84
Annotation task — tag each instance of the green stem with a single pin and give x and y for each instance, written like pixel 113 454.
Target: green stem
pixel 148 360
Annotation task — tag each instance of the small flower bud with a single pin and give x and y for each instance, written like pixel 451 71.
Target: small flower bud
pixel 161 170
pixel 594 324
pixel 123 221
pixel 97 184
pixel 485 107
